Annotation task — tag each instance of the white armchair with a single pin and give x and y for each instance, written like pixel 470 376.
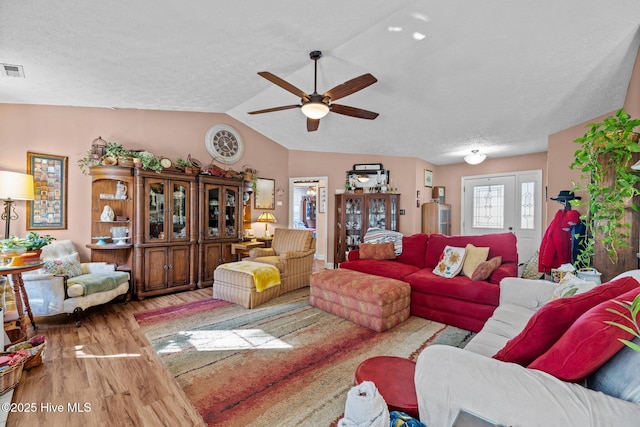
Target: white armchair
pixel 64 285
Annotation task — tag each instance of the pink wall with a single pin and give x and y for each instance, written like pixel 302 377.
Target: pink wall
pixel 69 131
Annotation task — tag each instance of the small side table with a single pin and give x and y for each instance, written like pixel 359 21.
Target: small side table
pixel 266 240
pixel 393 377
pixel 22 299
pixel 242 248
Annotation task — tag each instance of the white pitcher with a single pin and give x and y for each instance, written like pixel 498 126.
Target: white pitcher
pixel 121 190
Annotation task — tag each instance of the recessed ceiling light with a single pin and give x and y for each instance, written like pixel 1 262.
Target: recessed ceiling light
pixel 394 29
pixel 11 70
pixel 418 36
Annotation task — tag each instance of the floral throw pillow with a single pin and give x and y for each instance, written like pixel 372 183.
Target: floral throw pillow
pixel 451 262
pixel 68 265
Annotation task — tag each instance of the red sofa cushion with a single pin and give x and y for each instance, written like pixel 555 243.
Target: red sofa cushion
pixel 500 244
pixel 548 324
pixel 588 343
pixel 458 287
pixel 385 268
pixel 413 249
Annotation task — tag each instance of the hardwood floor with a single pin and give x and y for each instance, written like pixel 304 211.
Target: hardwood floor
pixel 106 368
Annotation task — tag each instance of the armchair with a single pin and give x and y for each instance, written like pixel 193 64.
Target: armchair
pixel 64 285
pixel 292 251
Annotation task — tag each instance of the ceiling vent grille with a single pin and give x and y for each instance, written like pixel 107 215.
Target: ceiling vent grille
pixel 11 70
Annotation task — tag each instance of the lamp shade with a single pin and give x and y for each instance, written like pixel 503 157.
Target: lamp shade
pixel 266 217
pixel 315 110
pixel 475 158
pixel 16 186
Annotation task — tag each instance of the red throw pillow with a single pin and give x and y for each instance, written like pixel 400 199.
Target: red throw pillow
pixel 588 343
pixel 377 251
pixel 484 269
pixel 548 324
pixel 413 249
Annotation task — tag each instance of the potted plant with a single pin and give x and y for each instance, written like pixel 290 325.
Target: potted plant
pixel 87 162
pixel 183 165
pixel 34 243
pixel 605 158
pixel 150 162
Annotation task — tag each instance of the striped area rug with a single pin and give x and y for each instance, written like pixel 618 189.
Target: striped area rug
pixel 283 363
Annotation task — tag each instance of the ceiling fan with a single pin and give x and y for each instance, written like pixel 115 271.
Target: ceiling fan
pixel 316 106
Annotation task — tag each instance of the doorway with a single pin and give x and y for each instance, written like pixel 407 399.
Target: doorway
pixel 307 209
pixel 510 202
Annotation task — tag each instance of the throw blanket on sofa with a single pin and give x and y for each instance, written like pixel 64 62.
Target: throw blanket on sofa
pixel 380 235
pixel 264 275
pixel 99 282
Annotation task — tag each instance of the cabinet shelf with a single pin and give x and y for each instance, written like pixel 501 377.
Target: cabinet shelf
pixel 108 246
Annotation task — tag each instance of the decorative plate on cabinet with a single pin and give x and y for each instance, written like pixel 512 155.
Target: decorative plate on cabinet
pixel 224 143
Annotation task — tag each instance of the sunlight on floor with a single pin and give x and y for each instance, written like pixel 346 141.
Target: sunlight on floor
pixel 80 354
pixel 237 339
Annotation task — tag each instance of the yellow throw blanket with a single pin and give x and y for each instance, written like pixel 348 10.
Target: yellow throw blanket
pixel 264 275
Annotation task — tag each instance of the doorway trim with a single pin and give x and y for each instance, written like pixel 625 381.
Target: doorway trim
pixel 324 221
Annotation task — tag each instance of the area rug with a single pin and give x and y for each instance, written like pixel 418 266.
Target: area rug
pixel 283 363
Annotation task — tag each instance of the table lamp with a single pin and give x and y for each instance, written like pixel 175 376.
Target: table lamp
pixel 266 217
pixel 14 186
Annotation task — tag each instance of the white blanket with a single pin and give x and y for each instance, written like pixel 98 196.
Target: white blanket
pixel 365 407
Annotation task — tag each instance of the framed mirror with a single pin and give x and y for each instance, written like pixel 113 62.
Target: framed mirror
pixel 264 194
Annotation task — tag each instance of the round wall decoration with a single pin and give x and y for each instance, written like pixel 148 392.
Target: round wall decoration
pixel 224 143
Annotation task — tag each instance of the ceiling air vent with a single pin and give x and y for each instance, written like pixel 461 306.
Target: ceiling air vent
pixel 11 70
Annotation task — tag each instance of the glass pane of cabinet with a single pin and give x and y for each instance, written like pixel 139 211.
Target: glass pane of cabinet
pixel 213 211
pixel 377 212
pixel 353 221
pixel 179 211
pixel 230 229
pixel 155 210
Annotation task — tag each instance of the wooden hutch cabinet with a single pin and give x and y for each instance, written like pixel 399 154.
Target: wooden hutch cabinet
pixel 165 238
pixel 356 213
pixel 105 183
pixel 220 216
pixel 178 227
pixel 436 218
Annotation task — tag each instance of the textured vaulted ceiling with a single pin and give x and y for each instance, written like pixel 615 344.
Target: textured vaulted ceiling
pixel 494 75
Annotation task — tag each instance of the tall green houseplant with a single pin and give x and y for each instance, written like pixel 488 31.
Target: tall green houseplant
pixel 607 152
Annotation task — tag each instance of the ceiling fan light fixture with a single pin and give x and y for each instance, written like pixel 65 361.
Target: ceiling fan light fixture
pixel 315 110
pixel 475 158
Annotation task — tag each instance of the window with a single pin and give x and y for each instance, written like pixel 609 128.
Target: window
pixel 488 206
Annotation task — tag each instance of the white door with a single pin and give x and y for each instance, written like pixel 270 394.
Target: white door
pixel 505 203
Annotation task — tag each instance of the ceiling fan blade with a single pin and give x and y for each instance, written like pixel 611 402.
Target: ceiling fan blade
pixel 283 84
pixel 350 86
pixel 353 112
pixel 312 124
pixel 271 110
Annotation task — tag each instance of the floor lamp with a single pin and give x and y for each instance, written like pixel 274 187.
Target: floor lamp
pixel 14 186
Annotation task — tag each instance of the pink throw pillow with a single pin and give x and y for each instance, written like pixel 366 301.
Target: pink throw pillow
pixel 588 343
pixel 548 324
pixel 377 251
pixel 484 269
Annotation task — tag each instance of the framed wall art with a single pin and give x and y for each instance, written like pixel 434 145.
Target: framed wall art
pixel 48 210
pixel 264 197
pixel 428 178
pixel 322 199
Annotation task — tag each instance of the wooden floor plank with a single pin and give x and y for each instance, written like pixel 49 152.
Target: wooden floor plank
pixel 107 364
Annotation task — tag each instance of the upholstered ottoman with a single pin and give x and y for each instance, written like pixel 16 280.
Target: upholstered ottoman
pixel 247 283
pixel 376 302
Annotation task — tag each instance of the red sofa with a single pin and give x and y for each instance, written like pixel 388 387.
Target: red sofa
pixel 457 301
